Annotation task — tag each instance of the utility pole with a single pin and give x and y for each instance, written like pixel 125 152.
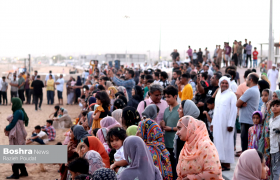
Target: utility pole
pixel 271 40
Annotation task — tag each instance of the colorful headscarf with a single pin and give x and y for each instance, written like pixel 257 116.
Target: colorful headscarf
pixel 257 130
pixel 104 174
pixel 199 154
pixel 119 104
pixel 109 122
pixel 101 135
pixel 153 137
pixel 140 162
pixel 95 161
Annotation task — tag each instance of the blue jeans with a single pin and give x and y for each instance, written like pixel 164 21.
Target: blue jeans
pixel 50 97
pixel 244 58
pixel 38 140
pixel 255 62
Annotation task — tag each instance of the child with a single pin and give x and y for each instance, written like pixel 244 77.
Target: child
pixel 49 129
pixel 254 132
pixel 103 100
pixel 210 105
pixel 38 136
pixel 115 138
pixel 274 125
pixel 3 90
pixel 55 113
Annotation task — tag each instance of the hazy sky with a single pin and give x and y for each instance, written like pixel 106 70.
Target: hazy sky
pixel 91 26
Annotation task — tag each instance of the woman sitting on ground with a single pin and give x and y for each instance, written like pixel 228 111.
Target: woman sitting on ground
pixel 63 120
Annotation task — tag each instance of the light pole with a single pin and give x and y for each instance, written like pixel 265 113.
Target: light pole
pixel 126 17
pixel 271 41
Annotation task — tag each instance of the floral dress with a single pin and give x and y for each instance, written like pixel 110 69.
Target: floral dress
pixel 251 136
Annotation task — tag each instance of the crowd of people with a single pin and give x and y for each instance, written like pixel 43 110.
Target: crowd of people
pixel 144 124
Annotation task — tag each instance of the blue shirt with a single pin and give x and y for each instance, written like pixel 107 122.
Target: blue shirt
pixel 128 84
pixel 251 97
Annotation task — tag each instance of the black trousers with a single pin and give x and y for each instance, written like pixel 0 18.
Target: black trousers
pixel 21 95
pixel 17 167
pixel 173 162
pixel 36 97
pixel 249 56
pixel 244 135
pixel 4 97
pixel 31 95
pixel 27 96
pixel 235 59
pixel 14 94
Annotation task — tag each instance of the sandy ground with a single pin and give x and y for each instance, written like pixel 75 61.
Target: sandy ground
pixel 35 118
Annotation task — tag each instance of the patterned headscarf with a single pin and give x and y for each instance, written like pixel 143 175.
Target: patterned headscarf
pixel 95 161
pixel 257 130
pixel 104 174
pixel 153 137
pixel 119 104
pixel 199 153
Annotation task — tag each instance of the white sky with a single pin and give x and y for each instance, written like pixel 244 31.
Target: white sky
pixel 90 26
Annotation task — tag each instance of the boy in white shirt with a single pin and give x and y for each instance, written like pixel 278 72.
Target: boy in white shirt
pixel 274 125
pixel 38 136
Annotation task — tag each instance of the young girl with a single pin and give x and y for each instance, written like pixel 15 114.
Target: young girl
pixel 103 100
pixel 255 132
pixel 115 138
pixel 55 113
pixel 264 142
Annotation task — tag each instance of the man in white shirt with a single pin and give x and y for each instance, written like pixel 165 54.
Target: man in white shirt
pixel 47 77
pixel 59 87
pixel 233 85
pixel 38 136
pixel 272 75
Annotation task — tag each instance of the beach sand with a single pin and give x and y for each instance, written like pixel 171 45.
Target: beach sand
pixel 36 118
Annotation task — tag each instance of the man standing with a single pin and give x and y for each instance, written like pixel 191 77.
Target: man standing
pixel 227 54
pixel 194 58
pixel 48 76
pixel 233 85
pixel 239 53
pixel 249 52
pixel 243 87
pixel 31 89
pixel 207 54
pixel 38 92
pixel 26 88
pixel 219 56
pixel 59 87
pixel 128 83
pixel 35 75
pixel 163 79
pixel 176 74
pixel 14 87
pixel 187 92
pixel 156 91
pixel 235 56
pixel 21 83
pixel 169 122
pixel 189 51
pixel 248 103
pixel 216 51
pixel 255 58
pixel 245 53
pixel 199 55
pixel 272 75
pixel 175 55
pixel 223 123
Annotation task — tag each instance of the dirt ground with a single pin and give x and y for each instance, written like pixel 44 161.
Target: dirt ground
pixel 36 118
